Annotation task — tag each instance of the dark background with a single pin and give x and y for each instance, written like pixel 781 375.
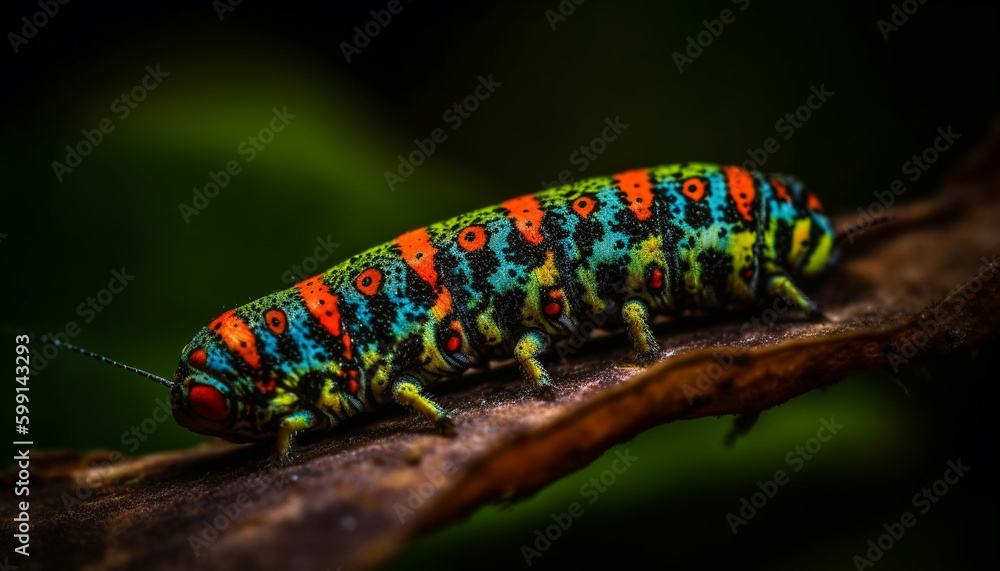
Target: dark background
pixel 323 177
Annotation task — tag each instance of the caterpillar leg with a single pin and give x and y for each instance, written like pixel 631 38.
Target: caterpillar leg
pixel 636 317
pixel 409 392
pixel 783 286
pixel 290 425
pixel 741 426
pixel 526 351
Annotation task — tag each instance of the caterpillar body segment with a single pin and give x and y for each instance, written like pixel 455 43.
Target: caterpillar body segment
pixel 503 281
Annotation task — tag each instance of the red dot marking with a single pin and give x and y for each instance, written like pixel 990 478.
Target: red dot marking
pixel 347 345
pixel 781 189
pixel 472 238
pixel 208 402
pixel 748 273
pixel 454 343
pixel 693 188
pixel 656 280
pixel 265 386
pixel 813 202
pixel 276 321
pixel 369 281
pixel 198 359
pixel 583 206
pixel 352 381
pixel 553 308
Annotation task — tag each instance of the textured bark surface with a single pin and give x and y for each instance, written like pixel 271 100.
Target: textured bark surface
pixel 904 290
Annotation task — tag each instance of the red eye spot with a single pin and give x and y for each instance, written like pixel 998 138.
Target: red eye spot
pixel 693 188
pixel 352 381
pixel 454 343
pixel 472 238
pixel 656 280
pixel 198 359
pixel 553 308
pixel 276 321
pixel 368 282
pixel 583 206
pixel 208 402
pixel 748 273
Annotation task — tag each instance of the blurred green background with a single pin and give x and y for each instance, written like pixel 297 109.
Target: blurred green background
pixel 323 178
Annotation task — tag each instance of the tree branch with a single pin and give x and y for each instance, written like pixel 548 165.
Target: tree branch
pixel 357 496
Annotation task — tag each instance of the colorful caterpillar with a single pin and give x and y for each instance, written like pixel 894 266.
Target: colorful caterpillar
pixel 500 281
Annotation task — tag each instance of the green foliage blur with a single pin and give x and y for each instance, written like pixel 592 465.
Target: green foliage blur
pixel 322 180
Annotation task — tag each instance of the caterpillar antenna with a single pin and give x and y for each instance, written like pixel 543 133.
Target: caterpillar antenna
pixel 140 372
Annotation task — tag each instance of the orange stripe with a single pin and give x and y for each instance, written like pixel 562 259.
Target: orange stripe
pixel 321 303
pixel 741 190
pixel 237 336
pixel 813 203
pixel 781 189
pixel 638 191
pixel 442 306
pixel 527 216
pixel 418 252
pixel 347 345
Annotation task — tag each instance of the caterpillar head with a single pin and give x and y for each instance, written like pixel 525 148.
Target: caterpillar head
pixel 236 379
pixel 800 237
